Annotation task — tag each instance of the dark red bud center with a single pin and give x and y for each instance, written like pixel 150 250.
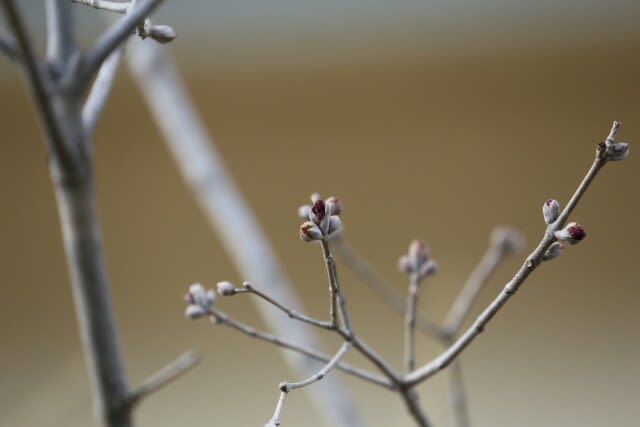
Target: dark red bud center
pixel 577 232
pixel 318 209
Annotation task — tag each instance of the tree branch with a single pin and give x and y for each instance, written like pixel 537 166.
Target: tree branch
pixel 100 90
pixel 410 323
pixel 61 36
pixel 227 211
pixel 114 37
pixel 529 265
pixel 110 6
pixel 9 47
pixel 164 376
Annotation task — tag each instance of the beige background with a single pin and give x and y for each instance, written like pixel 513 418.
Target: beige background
pixel 434 144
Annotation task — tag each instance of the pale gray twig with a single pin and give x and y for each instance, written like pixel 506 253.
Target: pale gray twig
pixel 227 211
pixel 62 46
pixel 457 395
pixel 165 375
pixel 529 265
pixel 221 318
pixel 100 90
pixel 336 298
pixel 286 387
pixel 410 322
pixel 384 290
pixel 110 6
pixel 115 35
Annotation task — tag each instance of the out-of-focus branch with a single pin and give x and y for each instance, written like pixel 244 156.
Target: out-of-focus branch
pixel 61 36
pixel 110 6
pixel 100 91
pixel 9 47
pixel 164 376
pixel 227 212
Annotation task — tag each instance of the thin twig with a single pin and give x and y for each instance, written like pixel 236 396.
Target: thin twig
pixel 286 387
pixel 337 301
pixel 457 395
pixel 529 265
pixel 410 398
pixel 290 312
pixel 62 46
pixel 100 90
pixel 164 376
pixel 229 214
pixel 114 36
pixel 9 47
pixel 109 6
pixel 383 289
pixel 222 318
pixel 410 323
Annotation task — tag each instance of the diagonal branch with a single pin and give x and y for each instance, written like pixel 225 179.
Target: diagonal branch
pixel 100 91
pixel 114 37
pixel 110 6
pixel 9 47
pixel 529 265
pixel 62 46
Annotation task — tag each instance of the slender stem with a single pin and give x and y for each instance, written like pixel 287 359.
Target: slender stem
pixel 529 265
pixel 286 387
pixel 337 301
pixel 410 398
pixel 229 215
pixel 472 287
pixel 110 6
pixel 9 47
pixel 115 36
pixel 100 91
pixel 372 356
pixel 383 289
pixel 39 85
pixel 164 376
pixel 62 46
pixel 457 395
pixel 291 313
pixel 223 319
pixel 410 323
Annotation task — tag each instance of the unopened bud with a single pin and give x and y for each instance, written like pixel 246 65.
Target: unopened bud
pixel 429 268
pixel 197 295
pixel 334 224
pixel 405 265
pixel 194 311
pixel 507 239
pixel 419 252
pixel 226 288
pixel 572 233
pixel 334 205
pixel 303 212
pixel 551 211
pixel 554 251
pixel 318 211
pixel 618 151
pixel 162 33
pixel 309 232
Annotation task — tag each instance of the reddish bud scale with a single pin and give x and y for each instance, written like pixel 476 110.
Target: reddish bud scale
pixel 318 209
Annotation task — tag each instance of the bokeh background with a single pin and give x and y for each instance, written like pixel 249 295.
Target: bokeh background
pixel 432 120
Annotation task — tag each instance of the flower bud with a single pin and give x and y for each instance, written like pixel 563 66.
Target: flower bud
pixel 197 295
pixel 554 251
pixel 315 197
pixel 507 239
pixel 619 151
pixel 333 205
pixel 405 265
pixel 572 233
pixel 194 311
pixel 318 211
pixel 419 252
pixel 162 33
pixel 428 268
pixel 551 211
pixel 309 232
pixel 334 225
pixel 226 288
pixel 303 212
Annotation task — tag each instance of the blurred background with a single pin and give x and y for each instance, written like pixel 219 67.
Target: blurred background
pixel 431 120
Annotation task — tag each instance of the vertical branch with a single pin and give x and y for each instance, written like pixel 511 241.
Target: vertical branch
pixel 227 211
pixel 337 301
pixel 61 36
pixel 457 395
pixel 410 323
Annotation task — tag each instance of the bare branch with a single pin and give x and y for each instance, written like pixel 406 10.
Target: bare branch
pixel 286 387
pixel 100 91
pixel 383 289
pixel 505 241
pixel 222 318
pixel 410 323
pixel 164 376
pixel 61 36
pixel 115 36
pixel 291 313
pixel 9 47
pixel 228 212
pixel 39 84
pixel 529 265
pixel 410 398
pixel 337 301
pixel 110 6
pixel 457 395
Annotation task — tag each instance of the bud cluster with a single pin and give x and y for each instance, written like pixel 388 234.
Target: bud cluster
pixel 160 33
pixel 200 301
pixel 615 151
pixel 418 261
pixel 322 218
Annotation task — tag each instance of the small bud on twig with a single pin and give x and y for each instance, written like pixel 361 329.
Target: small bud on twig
pixel 199 299
pixel 225 288
pixel 572 233
pixel 162 33
pixel 310 232
pixel 550 211
pixel 322 218
pixel 618 151
pixel 554 251
pixel 418 260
